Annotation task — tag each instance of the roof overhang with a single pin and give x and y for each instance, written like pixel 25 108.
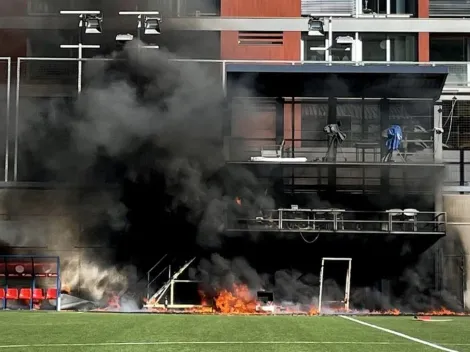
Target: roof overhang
pixel 335 80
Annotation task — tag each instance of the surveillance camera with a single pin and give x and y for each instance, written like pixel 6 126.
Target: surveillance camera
pixel 438 130
pixel 454 98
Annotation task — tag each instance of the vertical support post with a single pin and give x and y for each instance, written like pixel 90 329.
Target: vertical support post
pixel 4 302
pixel 80 55
pixel 292 125
pixel 224 77
pixel 462 168
pixel 148 285
pixel 332 119
pixel 348 286
pixel 80 68
pixel 172 293
pixel 33 284
pixel 169 272
pixel 59 294
pixel 438 156
pixel 330 39
pixel 321 286
pixel 437 137
pixel 279 120
pixel 384 125
pixel 17 117
pixel 7 120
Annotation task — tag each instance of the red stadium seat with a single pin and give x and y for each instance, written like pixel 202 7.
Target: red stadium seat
pixel 12 293
pixel 51 293
pixel 38 294
pixel 2 293
pixel 25 293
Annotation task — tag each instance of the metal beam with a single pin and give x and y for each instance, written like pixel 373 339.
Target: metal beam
pixel 286 24
pixel 402 25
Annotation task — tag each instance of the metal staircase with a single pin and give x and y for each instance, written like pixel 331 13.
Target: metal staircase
pixel 154 300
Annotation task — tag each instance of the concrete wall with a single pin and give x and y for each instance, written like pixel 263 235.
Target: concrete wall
pixel 455 248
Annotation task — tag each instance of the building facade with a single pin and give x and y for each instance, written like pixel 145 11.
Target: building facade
pixel 383 32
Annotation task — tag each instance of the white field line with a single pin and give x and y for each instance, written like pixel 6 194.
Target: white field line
pixel 396 333
pixel 156 343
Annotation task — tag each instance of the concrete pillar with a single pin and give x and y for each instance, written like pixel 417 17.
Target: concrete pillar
pixel 456 248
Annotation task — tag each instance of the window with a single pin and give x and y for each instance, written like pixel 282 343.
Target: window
pixel 448 48
pixel 403 47
pixel 314 42
pixel 377 6
pixel 374 47
pixel 391 7
pixel 53 7
pixel 260 38
pixel 338 53
pixel 389 47
pixel 400 7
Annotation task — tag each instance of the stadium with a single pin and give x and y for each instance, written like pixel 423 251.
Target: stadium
pixel 234 175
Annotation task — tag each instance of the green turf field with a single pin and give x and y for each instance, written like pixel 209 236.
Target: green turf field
pixel 77 332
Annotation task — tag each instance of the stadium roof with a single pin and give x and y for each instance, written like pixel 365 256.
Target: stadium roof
pixel 336 80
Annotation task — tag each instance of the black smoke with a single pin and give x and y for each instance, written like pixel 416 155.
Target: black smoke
pixel 142 146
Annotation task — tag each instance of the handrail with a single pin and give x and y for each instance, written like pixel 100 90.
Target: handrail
pixel 334 220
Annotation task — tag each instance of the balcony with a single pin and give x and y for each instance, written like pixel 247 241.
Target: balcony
pixel 339 221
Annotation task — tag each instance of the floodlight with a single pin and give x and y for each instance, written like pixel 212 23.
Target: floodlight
pixel 315 26
pixel 152 25
pixel 93 24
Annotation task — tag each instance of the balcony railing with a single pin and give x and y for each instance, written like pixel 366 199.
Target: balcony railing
pixel 395 221
pixel 49 69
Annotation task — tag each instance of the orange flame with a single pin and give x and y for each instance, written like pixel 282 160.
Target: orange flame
pixel 239 301
pixel 442 311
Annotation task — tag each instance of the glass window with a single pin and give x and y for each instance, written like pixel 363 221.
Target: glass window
pixel 448 49
pixel 377 6
pixel 403 47
pixel 374 47
pixel 342 52
pixel 409 7
pixel 314 42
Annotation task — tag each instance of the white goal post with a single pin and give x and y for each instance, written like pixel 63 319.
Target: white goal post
pixel 347 286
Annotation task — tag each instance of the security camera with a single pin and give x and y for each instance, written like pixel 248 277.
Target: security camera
pixel 438 130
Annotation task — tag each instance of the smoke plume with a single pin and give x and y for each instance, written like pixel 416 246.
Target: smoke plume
pixel 140 120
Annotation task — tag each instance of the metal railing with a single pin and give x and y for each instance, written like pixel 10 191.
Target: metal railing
pixel 342 221
pixel 59 75
pixel 413 150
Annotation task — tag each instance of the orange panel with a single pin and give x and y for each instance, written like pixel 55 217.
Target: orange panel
pixel 423 38
pixel 261 8
pixel 232 50
pixel 423 47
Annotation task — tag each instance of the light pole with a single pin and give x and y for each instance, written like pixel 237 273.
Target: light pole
pixel 148 21
pixel 90 23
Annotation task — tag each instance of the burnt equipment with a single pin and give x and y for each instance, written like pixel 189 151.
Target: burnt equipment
pixel 335 138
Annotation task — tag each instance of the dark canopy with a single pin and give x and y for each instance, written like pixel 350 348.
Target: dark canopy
pixel 336 80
